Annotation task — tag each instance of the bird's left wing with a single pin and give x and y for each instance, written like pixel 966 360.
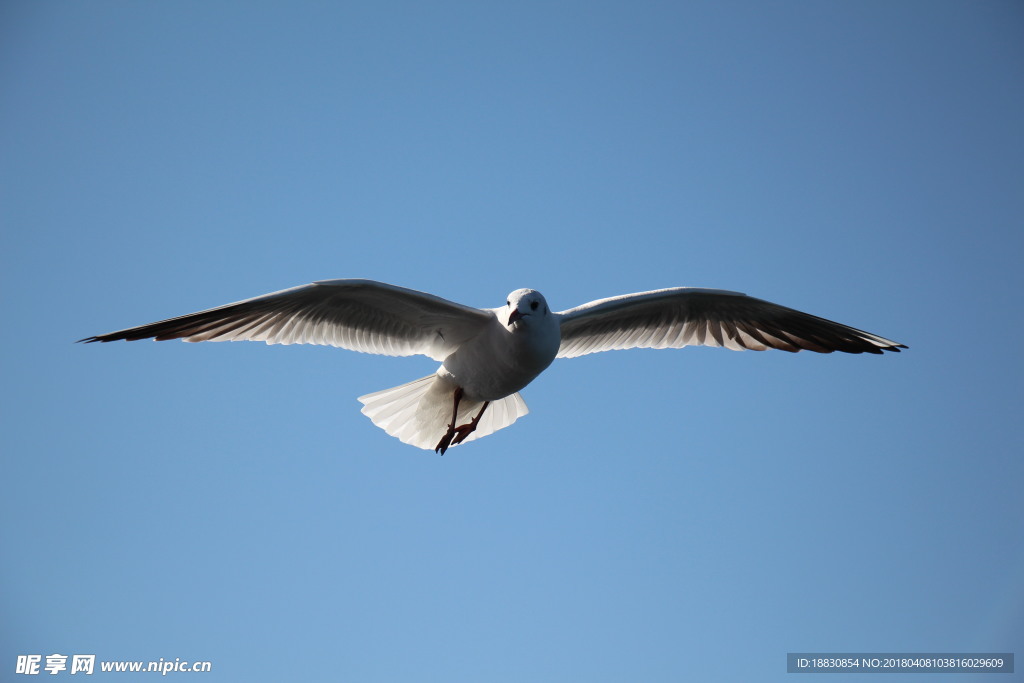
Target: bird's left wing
pixel 687 316
pixel 360 315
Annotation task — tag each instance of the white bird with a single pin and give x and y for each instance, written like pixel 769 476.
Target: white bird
pixel 488 355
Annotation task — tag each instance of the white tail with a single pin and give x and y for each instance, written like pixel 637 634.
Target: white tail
pixel 418 413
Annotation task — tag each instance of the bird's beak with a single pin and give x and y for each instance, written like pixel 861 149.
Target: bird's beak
pixel 514 316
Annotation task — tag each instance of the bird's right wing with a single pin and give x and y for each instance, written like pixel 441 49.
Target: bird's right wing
pixel 359 315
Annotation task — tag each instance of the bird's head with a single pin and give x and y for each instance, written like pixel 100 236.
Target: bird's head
pixel 524 306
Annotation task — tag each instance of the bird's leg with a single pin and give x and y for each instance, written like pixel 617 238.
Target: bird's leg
pixel 446 440
pixel 468 428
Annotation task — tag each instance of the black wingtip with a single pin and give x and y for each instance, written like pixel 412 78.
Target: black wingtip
pixel 99 338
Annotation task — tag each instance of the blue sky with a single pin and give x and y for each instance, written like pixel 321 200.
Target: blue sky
pixel 659 515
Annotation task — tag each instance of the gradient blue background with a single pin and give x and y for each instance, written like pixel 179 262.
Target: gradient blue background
pixel 659 515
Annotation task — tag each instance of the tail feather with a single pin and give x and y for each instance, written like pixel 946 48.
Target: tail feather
pixel 418 413
pixel 400 402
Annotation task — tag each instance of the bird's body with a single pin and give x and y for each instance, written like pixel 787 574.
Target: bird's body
pixel 489 355
pixel 514 353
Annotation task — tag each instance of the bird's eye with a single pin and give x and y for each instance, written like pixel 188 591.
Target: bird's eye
pixel 508 303
pixel 533 306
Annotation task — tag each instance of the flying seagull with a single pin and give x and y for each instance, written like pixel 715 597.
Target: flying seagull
pixel 488 355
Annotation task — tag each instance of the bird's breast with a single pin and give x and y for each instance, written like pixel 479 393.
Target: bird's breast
pixel 502 362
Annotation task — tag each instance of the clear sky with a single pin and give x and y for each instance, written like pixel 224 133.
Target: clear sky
pixel 659 515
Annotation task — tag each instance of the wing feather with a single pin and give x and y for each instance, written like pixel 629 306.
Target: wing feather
pixel 360 315
pixel 684 316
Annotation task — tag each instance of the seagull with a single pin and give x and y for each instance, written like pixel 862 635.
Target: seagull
pixel 489 355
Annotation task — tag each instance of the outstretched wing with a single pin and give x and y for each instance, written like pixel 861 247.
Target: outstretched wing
pixel 686 316
pixel 360 315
